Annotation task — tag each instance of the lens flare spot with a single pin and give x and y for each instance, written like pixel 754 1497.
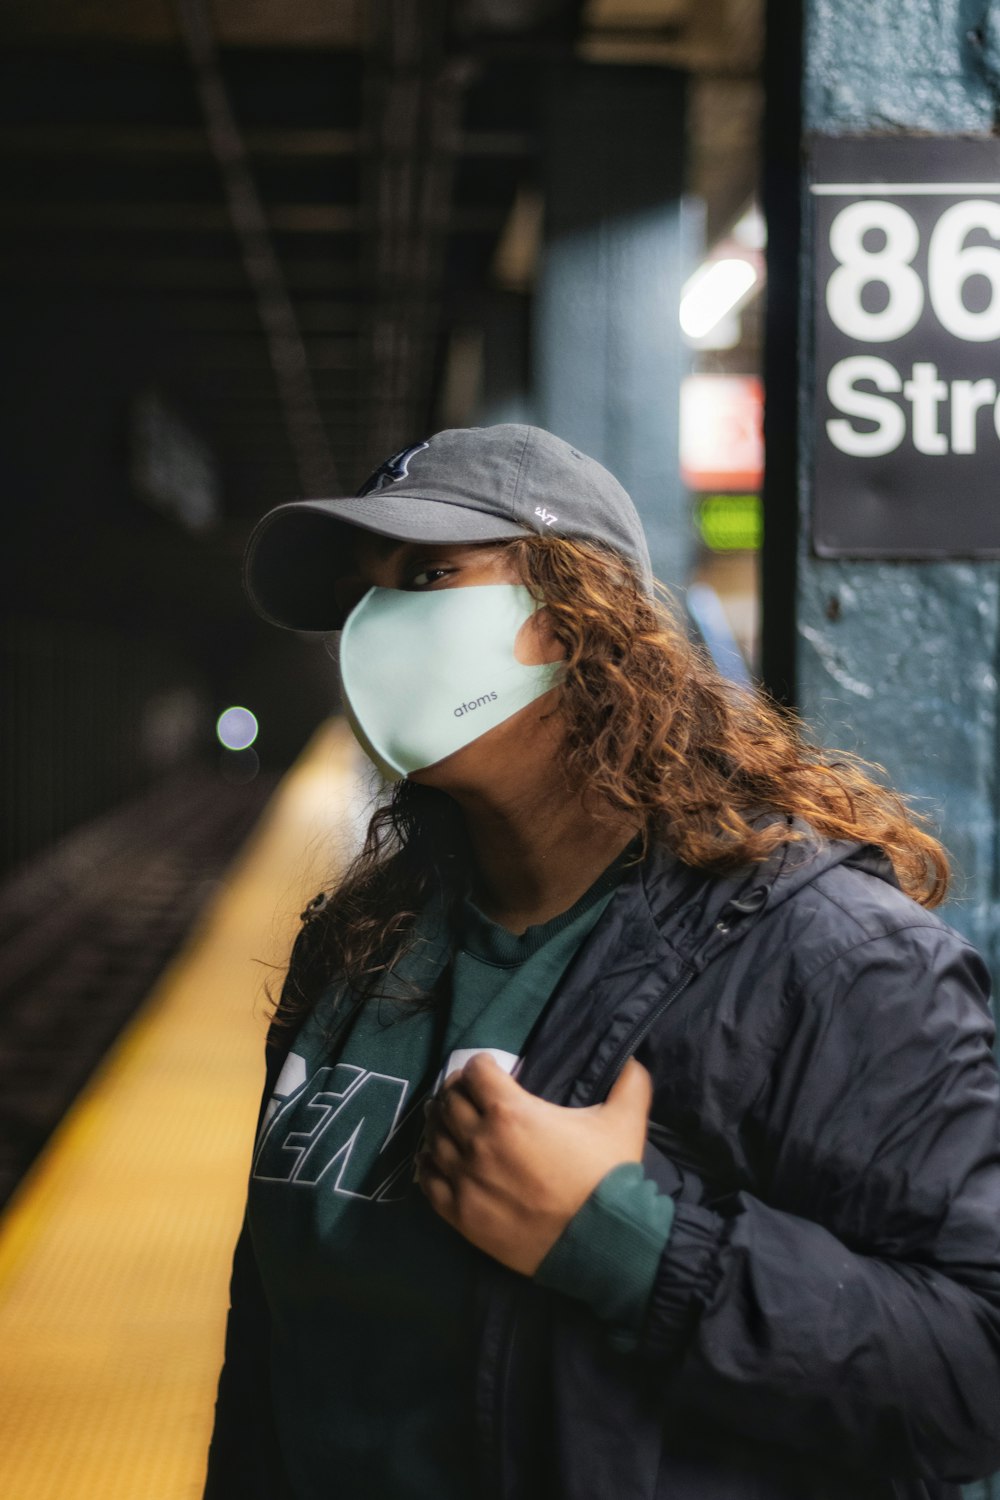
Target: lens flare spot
pixel 236 728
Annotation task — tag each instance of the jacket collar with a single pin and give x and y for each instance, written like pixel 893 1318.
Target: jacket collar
pixel 665 923
pixel 621 970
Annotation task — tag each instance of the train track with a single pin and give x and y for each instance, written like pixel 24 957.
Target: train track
pixel 85 930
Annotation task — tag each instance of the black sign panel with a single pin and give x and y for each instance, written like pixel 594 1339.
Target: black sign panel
pixel 907 315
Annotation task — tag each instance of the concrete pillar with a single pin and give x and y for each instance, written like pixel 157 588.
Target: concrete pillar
pixel 898 660
pixel 505 391
pixel 607 351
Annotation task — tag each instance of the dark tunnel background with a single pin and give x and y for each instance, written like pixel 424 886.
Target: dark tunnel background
pixel 246 254
pixel 248 249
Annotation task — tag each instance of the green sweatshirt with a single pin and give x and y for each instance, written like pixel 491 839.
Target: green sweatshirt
pixel 370 1292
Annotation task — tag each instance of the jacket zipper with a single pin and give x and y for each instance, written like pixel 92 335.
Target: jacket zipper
pixel 625 1050
pixel 507 1338
pixel 634 1039
pixel 749 906
pixel 639 1034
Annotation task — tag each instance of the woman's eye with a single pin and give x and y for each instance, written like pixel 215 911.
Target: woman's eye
pixel 427 576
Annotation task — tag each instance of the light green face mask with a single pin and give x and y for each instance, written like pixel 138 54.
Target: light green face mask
pixel 425 674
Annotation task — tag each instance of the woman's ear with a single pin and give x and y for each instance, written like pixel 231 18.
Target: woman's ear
pixel 537 642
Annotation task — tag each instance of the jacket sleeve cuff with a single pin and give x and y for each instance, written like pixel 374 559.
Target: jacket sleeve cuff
pixel 609 1252
pixel 687 1280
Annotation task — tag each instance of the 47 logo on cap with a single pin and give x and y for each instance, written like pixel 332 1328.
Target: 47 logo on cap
pixel 395 468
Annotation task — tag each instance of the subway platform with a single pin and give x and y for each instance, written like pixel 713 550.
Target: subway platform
pixel 115 1251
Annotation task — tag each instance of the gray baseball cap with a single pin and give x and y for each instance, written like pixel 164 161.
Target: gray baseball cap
pixel 468 484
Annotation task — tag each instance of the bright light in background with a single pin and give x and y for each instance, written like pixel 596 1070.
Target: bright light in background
pixel 715 289
pixel 729 276
pixel 236 728
pixel 750 229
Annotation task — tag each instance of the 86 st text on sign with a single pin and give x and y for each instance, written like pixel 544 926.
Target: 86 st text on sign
pixel 907 316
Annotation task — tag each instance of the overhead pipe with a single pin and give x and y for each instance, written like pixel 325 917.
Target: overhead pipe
pixel 286 348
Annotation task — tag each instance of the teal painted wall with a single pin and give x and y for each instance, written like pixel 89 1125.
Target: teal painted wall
pixel 619 243
pixel 899 661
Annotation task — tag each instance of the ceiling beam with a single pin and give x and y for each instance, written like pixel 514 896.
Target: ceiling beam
pixel 181 218
pixel 247 403
pixel 252 227
pixel 179 140
pixel 307 23
pixel 230 351
pixel 210 218
pixel 29 265
pixel 238 383
pixel 186 315
pixel 716 38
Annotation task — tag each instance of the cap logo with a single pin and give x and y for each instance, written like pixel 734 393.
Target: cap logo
pixel 395 468
pixel 547 516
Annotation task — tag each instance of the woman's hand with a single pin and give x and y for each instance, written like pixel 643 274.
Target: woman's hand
pixel 509 1170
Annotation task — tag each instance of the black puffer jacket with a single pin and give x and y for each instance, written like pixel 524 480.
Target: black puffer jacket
pixel 826 1320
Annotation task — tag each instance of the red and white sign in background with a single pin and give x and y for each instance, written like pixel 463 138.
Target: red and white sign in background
pixel 722 432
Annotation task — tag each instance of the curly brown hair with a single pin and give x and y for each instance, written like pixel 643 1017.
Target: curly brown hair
pixel 654 730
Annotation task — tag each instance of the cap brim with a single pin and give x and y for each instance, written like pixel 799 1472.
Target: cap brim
pixel 296 552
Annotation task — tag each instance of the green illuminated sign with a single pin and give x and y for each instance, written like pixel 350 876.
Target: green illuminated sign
pixel 731 523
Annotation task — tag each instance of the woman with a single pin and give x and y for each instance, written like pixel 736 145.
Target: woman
pixel 644 993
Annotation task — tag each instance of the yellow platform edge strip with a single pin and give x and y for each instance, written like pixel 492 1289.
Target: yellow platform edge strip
pixel 51 1397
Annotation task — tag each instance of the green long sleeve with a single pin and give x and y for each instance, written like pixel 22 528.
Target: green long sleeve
pixel 609 1252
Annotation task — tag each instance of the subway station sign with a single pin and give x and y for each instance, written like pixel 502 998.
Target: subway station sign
pixel 906 239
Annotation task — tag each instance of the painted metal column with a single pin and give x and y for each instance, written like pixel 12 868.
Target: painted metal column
pixel 898 660
pixel 608 355
pixel 506 376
